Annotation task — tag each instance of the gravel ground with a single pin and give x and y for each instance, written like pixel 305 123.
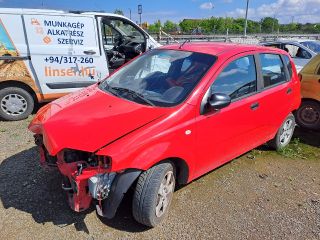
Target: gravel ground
pixel 261 195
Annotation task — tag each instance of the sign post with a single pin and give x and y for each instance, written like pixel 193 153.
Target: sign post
pixel 140 12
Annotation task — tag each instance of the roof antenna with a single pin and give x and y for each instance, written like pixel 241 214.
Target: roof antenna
pixel 187 40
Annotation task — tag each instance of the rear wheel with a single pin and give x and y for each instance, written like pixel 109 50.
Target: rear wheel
pixel 284 134
pixel 153 194
pixel 15 103
pixel 308 115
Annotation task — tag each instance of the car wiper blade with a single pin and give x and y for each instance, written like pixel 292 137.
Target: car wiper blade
pixel 111 90
pixel 140 96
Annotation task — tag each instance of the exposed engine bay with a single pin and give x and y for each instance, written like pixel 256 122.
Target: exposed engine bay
pixel 122 42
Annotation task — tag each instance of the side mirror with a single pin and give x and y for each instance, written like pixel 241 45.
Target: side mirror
pixel 219 101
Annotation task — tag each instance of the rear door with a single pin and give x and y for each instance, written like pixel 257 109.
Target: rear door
pixel 65 51
pixel 277 95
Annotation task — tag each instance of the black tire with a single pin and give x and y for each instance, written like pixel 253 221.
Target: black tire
pixel 147 200
pixel 20 96
pixel 308 115
pixel 278 142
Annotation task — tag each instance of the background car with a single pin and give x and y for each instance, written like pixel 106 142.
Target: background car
pixel 301 50
pixel 308 115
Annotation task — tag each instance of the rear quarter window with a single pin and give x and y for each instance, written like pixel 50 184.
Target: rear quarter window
pixel 273 69
pixel 288 64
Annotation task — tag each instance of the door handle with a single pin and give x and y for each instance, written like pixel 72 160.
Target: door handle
pixel 254 106
pixel 289 90
pixel 89 52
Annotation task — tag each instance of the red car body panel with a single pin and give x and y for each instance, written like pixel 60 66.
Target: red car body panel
pixel 89 120
pixel 136 136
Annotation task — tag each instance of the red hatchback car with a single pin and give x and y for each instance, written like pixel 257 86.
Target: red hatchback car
pixel 166 118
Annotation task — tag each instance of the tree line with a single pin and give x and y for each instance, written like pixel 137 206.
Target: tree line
pixel 220 25
pixel 223 25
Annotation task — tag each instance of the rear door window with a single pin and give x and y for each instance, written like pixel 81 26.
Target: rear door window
pixel 273 71
pixel 238 79
pixel 297 52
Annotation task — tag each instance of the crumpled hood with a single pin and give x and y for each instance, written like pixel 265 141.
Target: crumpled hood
pixel 89 119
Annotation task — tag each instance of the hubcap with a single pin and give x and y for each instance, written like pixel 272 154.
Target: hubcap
pixel 310 115
pixel 13 104
pixel 286 132
pixel 165 193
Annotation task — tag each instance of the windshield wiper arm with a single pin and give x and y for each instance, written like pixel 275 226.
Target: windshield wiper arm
pixel 111 90
pixel 139 95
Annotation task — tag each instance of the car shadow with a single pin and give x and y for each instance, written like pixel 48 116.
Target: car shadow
pixel 305 136
pixel 124 220
pixel 27 187
pixel 308 137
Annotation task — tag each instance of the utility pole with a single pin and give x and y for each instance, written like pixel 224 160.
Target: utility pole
pixel 273 23
pixel 246 21
pixel 130 13
pixel 140 12
pixel 260 25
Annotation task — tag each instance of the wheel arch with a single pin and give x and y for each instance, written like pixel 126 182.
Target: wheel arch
pixel 310 99
pixel 181 167
pixel 19 84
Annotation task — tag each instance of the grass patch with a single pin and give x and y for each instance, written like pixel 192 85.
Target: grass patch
pixel 298 150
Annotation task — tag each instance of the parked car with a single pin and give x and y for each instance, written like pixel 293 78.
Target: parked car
pixel 308 114
pixel 166 118
pixel 45 54
pixel 301 50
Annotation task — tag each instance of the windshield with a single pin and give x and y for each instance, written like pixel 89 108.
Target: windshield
pixel 313 45
pixel 159 77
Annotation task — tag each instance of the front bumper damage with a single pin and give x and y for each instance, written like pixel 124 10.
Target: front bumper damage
pixel 87 183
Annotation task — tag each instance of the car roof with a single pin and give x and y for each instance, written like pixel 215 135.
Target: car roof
pixel 219 48
pixel 289 41
pixel 56 12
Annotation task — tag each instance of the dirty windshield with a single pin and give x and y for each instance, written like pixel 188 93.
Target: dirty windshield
pixel 160 77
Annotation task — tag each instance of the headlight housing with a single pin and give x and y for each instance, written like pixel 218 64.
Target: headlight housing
pixel 71 155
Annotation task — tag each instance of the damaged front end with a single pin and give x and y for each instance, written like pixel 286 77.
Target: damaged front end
pixel 86 178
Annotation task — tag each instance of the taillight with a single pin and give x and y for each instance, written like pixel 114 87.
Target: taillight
pixel 300 77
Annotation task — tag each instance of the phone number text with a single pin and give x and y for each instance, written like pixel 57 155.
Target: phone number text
pixel 64 60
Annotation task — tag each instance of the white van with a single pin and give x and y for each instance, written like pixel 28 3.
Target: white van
pixel 45 54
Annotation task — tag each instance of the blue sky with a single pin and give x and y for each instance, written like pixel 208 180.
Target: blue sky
pixel 176 10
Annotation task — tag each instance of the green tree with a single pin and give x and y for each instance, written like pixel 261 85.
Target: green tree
pixel 169 26
pixel 155 27
pixel 269 24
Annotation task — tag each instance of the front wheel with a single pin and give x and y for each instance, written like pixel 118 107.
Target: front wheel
pixel 308 115
pixel 153 194
pixel 284 134
pixel 15 103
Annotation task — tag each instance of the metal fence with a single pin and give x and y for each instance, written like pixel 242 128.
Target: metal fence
pixel 249 39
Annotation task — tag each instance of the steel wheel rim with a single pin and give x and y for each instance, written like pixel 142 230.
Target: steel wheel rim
pixel 286 132
pixel 309 115
pixel 165 193
pixel 14 104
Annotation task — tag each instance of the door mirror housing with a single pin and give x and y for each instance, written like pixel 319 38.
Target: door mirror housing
pixel 219 100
